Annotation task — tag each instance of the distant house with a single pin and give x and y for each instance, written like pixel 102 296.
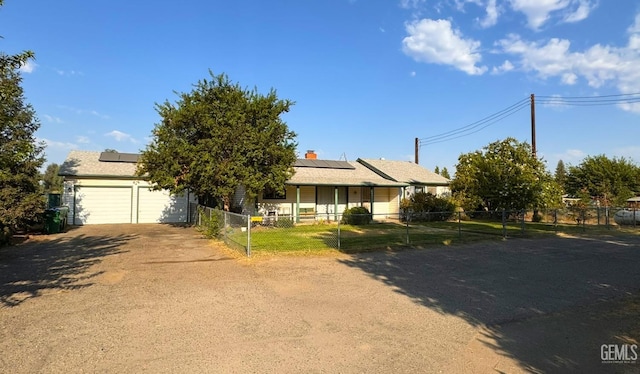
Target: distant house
pixel 103 188
pixel 418 178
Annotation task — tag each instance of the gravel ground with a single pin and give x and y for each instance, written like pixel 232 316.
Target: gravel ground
pixel 158 298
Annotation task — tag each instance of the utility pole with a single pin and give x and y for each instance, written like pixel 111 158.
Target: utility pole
pixel 533 125
pixel 416 149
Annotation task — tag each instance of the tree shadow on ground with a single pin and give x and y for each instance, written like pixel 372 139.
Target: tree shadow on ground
pixel 535 301
pixel 34 268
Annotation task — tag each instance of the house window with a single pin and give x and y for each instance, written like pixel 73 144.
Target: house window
pixel 419 189
pixel 271 194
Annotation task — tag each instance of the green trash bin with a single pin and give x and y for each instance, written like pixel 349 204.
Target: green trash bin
pixel 55 220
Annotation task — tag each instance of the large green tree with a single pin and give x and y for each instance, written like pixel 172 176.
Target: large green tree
pixel 20 154
pixel 219 137
pixel 610 180
pixel 504 175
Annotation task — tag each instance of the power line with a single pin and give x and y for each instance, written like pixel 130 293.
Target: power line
pixel 629 98
pixel 485 122
pixel 591 97
pixel 477 126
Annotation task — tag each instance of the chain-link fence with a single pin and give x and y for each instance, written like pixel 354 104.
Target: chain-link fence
pixel 232 228
pixel 358 232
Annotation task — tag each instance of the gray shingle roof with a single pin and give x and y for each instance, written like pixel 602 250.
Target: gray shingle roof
pixel 359 175
pixel 87 164
pixel 405 171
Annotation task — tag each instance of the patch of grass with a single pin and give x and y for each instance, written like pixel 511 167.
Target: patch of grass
pixel 323 237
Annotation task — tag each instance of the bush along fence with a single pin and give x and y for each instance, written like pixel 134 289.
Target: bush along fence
pixel 358 230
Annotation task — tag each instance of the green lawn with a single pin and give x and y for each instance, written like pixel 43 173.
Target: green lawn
pixel 324 237
pixel 319 237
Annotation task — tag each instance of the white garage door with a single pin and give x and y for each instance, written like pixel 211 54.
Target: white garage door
pixel 160 207
pixel 95 205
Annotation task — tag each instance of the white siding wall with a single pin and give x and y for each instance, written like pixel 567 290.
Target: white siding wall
pixel 387 201
pixel 287 206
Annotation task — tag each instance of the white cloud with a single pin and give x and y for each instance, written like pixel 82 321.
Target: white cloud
pixel 556 101
pixel 413 74
pixel 599 64
pixel 505 67
pixel 58 145
pixel 84 111
pixel 492 15
pixel 436 42
pixel 538 11
pixel 581 12
pixel 120 136
pixel 635 28
pixel 68 72
pixel 52 119
pixel 410 4
pixel 82 139
pixel 569 78
pixel 28 67
pixel 572 156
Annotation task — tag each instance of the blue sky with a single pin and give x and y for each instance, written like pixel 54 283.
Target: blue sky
pixel 368 77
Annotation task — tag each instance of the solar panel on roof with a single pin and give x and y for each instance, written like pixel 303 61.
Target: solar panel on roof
pixel 129 157
pixel 323 164
pixel 119 157
pixel 108 157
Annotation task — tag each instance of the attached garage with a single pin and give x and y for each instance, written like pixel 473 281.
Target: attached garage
pixel 161 206
pixel 94 205
pixel 102 188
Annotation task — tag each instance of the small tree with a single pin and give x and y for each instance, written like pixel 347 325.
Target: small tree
pixel 436 170
pixel 51 181
pixel 445 173
pixel 218 137
pixel 561 174
pixel 426 206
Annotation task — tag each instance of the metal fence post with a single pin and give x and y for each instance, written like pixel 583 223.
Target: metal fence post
pixel 339 234
pixel 504 224
pixel 225 215
pixel 407 228
pixel 248 235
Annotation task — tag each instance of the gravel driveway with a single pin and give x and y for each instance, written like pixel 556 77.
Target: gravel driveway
pixel 158 298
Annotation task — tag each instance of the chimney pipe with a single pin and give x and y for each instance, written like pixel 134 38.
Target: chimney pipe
pixel 310 155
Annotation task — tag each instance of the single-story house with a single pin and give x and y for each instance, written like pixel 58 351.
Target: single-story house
pixel 325 188
pixel 418 178
pixel 103 188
